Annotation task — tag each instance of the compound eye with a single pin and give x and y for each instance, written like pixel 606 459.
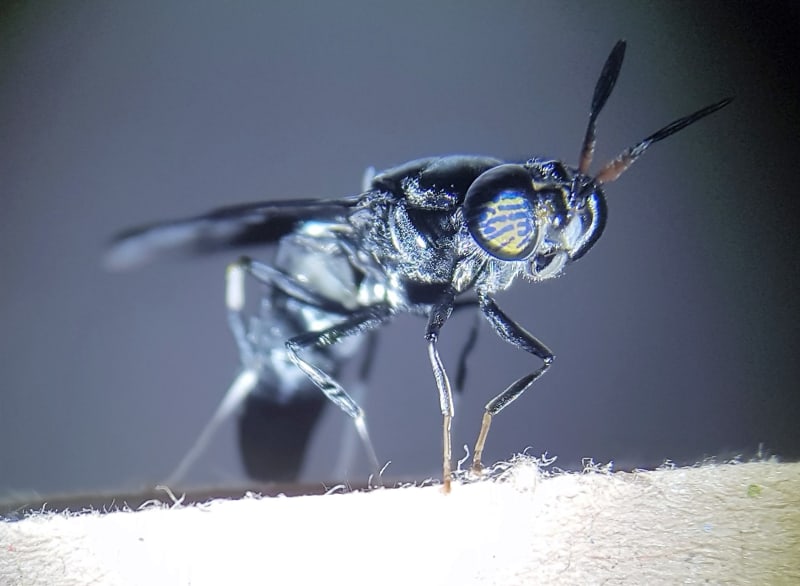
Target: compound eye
pixel 499 210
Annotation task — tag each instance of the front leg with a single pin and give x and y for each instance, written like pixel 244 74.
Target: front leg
pixel 438 315
pixel 516 335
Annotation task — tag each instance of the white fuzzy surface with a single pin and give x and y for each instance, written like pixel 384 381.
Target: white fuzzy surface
pixel 718 524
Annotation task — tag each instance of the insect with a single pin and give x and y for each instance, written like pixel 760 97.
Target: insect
pixel 425 238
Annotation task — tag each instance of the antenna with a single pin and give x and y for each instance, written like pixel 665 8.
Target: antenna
pixel 626 158
pixel 605 84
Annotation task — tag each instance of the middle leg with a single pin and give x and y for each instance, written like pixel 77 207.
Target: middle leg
pixel 359 322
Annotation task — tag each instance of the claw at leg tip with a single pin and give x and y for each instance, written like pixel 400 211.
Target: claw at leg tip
pixel 446 486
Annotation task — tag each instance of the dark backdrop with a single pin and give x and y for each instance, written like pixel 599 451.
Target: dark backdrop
pixel 676 338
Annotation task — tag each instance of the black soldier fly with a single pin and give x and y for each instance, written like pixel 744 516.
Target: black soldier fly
pixel 424 238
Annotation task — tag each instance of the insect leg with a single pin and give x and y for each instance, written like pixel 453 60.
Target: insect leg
pixel 247 379
pixel 439 314
pixel 359 388
pixel 516 335
pixel 271 277
pixel 359 322
pixel 359 394
pixel 234 301
pixel 243 384
pixel 469 343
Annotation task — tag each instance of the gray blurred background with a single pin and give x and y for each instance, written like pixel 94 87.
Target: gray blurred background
pixel 676 338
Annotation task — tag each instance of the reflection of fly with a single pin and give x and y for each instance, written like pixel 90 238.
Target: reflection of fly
pixel 419 237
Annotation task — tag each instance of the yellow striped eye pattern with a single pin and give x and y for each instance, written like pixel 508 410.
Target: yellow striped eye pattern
pixel 505 226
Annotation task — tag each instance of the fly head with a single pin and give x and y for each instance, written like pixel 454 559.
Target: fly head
pixel 539 214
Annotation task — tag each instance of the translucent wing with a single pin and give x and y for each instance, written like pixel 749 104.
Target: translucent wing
pixel 228 227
